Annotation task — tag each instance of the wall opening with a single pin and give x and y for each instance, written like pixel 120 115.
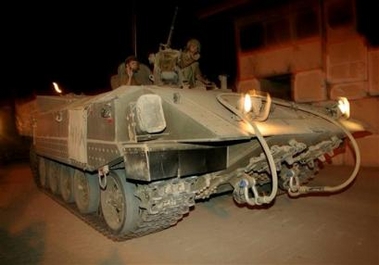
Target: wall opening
pixel 278 86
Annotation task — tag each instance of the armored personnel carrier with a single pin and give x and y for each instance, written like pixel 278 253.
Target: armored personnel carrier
pixel 135 160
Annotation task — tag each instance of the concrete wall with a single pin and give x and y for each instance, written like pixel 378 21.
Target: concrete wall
pixel 282 60
pixel 335 61
pixel 351 70
pixel 373 72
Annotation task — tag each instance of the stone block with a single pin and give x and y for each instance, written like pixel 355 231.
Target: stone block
pixel 373 72
pixel 346 61
pixel 309 86
pixel 353 90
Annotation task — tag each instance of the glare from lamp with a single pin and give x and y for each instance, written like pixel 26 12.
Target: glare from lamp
pixel 344 106
pixel 247 103
pixel 56 88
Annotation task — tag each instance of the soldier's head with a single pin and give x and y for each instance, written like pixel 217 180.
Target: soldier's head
pixel 193 45
pixel 131 62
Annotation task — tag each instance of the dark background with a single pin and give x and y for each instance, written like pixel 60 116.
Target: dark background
pixel 79 45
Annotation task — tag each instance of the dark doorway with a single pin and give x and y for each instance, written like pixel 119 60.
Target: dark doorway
pixel 278 86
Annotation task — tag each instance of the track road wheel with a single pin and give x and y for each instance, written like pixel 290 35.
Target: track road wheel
pixel 66 176
pixel 86 192
pixel 53 175
pixel 42 172
pixel 119 205
pixel 34 164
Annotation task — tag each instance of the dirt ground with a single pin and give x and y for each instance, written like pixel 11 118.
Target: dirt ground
pixel 335 229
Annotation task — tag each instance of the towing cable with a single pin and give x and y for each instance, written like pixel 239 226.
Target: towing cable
pixel 245 183
pixel 295 189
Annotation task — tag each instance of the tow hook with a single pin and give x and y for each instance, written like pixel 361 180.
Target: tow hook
pixel 102 174
pixel 294 184
pixel 241 192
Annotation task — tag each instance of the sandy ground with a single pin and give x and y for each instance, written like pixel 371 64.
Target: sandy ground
pixel 337 229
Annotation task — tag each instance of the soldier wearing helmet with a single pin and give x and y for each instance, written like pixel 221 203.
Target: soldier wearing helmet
pixel 189 65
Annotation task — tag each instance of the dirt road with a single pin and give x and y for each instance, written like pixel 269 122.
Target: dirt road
pixel 338 229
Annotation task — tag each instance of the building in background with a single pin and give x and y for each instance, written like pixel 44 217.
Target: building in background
pixel 311 51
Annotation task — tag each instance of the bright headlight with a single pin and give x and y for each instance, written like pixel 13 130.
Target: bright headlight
pixel 247 103
pixel 344 107
pixel 255 105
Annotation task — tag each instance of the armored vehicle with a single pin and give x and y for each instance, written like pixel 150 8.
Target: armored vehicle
pixel 135 160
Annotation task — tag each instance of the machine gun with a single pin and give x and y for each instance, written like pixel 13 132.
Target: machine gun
pixel 166 70
pixel 168 43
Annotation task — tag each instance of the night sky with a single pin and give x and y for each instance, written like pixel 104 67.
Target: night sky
pixel 80 47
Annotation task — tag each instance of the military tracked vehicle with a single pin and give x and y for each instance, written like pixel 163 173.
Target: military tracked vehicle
pixel 135 160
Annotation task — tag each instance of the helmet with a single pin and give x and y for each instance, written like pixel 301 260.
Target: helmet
pixel 193 42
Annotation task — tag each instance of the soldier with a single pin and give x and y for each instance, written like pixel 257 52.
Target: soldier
pixel 131 72
pixel 127 71
pixel 189 65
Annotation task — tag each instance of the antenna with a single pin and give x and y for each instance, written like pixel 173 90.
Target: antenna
pixel 168 44
pixel 134 27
